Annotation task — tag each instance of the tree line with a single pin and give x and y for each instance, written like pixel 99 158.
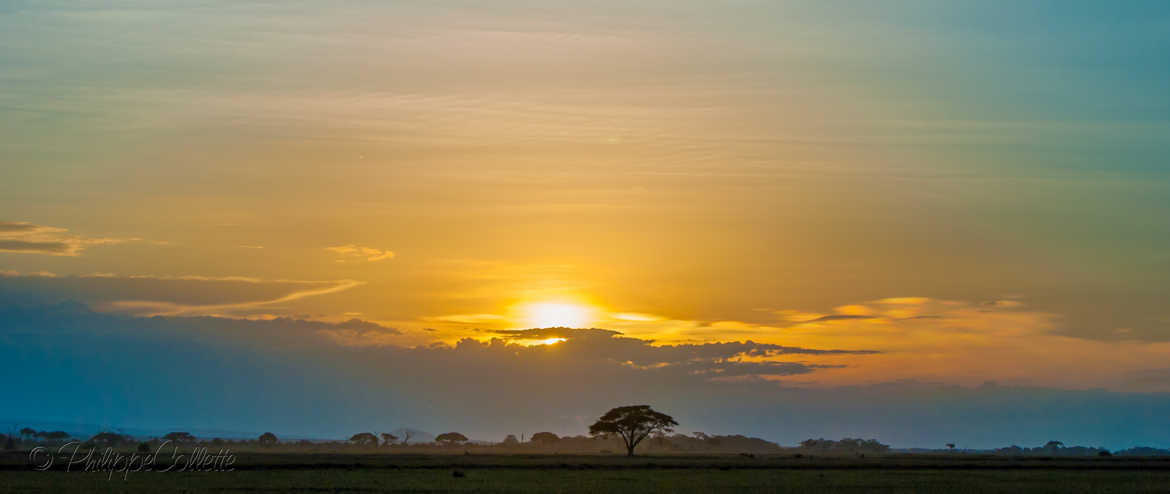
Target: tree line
pixel 625 427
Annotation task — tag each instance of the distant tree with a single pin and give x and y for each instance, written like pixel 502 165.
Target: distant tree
pixel 951 446
pixel 632 424
pixel 388 439
pixel 1053 445
pixel 544 437
pixel 50 435
pixel 846 445
pixel 364 439
pixel 109 439
pixel 28 433
pixel 267 439
pixel 450 438
pixel 180 437
pixel 56 435
pixel 510 440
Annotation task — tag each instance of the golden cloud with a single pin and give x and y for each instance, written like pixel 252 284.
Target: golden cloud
pixel 27 238
pixel 352 251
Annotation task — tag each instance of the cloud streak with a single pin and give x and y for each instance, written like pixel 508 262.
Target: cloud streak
pixel 359 252
pixel 27 238
pixel 156 308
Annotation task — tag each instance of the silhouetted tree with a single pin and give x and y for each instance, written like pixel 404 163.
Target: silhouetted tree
pixel 267 439
pixel 951 446
pixel 180 437
pixel 544 437
pixel 364 439
pixel 510 440
pixel 109 439
pixel 633 424
pixel 28 433
pixel 388 438
pixel 449 438
pixel 846 445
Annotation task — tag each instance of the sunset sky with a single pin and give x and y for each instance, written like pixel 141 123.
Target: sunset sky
pixel 890 213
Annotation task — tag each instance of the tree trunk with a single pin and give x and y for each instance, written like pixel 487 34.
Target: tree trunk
pixel 630 449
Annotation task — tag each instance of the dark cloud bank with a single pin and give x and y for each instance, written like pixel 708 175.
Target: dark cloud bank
pixel 68 364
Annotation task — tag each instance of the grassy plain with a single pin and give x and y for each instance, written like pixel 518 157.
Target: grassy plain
pixel 339 472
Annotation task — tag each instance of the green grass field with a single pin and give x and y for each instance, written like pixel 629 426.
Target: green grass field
pixel 572 474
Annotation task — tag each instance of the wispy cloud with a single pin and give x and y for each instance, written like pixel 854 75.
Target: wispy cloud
pixel 469 318
pixel 11 273
pixel 352 251
pixel 28 238
pixel 155 308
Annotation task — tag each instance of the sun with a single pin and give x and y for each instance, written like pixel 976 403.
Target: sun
pixel 557 314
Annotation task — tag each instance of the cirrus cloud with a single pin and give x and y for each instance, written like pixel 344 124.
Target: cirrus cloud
pixel 354 251
pixel 27 238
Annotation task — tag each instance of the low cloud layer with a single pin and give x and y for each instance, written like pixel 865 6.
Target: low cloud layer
pixel 296 376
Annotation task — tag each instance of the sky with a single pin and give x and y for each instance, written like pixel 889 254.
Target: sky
pixel 918 221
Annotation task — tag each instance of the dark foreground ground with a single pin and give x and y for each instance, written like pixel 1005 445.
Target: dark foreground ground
pixel 952 474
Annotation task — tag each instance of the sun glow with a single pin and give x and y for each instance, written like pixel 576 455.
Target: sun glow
pixel 557 314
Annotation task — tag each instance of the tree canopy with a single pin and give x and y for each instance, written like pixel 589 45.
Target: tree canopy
pixel 267 439
pixel 180 437
pixel 109 439
pixel 544 437
pixel 364 439
pixel 450 438
pixel 633 424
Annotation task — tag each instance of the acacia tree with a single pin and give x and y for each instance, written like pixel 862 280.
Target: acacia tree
pixel 450 438
pixel 633 424
pixel 364 439
pixel 180 437
pixel 544 437
pixel 267 439
pixel 388 438
pixel 54 435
